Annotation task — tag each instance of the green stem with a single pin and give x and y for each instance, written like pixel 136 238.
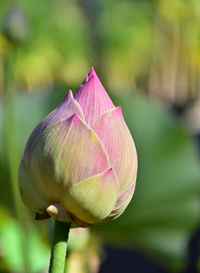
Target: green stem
pixel 11 142
pixel 59 247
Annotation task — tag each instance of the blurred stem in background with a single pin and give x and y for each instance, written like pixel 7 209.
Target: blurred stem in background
pixel 12 24
pixel 92 11
pixel 10 134
pixel 12 153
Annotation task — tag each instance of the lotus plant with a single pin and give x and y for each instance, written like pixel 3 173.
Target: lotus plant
pixel 80 163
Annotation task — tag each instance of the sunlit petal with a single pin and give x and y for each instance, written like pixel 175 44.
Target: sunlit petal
pixel 118 142
pixel 64 154
pixel 94 198
pixel 66 109
pixel 93 98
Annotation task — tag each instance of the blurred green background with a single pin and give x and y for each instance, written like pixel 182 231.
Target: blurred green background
pixel 147 55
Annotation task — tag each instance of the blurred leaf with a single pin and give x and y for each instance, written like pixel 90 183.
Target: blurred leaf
pixel 11 238
pixel 28 110
pixel 165 206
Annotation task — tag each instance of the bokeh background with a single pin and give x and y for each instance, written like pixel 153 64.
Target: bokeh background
pixel 147 54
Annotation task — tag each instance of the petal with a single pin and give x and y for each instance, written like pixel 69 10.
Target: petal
pixel 64 154
pixel 93 98
pixel 66 109
pixel 93 199
pixel 122 202
pixel 83 153
pixel 29 192
pixel 115 135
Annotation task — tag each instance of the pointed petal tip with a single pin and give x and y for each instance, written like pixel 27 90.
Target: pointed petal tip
pixel 90 82
pixel 110 172
pixel 110 169
pixel 68 97
pixel 91 74
pixel 92 71
pixel 73 118
pixel 116 110
pixel 70 93
pixel 93 98
pixel 119 111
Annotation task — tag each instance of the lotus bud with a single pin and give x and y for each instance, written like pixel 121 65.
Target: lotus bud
pixel 15 24
pixel 80 162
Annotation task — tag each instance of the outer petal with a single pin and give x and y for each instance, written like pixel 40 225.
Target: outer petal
pixel 66 109
pixel 114 133
pixel 122 202
pixel 64 154
pixel 92 98
pixel 29 190
pixel 93 199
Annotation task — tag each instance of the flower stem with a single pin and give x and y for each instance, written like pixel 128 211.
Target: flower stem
pixel 11 144
pixel 59 247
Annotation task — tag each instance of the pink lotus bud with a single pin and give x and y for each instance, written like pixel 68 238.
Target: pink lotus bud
pixel 80 162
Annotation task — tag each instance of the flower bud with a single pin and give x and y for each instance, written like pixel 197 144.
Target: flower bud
pixel 80 162
pixel 15 24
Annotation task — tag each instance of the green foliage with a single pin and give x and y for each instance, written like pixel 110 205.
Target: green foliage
pixel 141 41
pixel 165 207
pixel 11 239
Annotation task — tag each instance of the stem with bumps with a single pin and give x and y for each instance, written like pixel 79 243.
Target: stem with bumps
pixel 59 247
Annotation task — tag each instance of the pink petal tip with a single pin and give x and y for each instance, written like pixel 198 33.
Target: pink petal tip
pixel 93 98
